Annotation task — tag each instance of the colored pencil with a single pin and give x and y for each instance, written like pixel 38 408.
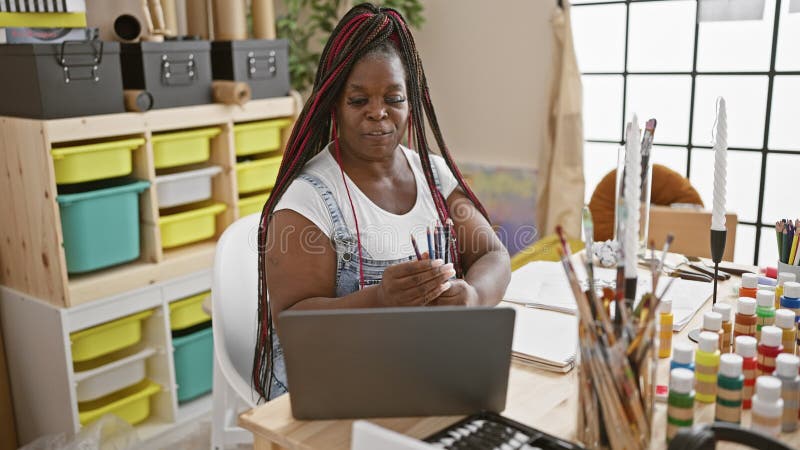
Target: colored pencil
pixel 416 249
pixel 430 244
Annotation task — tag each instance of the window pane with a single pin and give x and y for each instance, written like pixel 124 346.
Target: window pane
pixel 783 132
pixel 602 107
pixel 599 33
pixel 744 172
pixel 745 244
pixel 746 99
pixel 598 160
pixel 788 55
pixel 665 98
pixel 672 157
pixel 742 45
pixel 781 197
pixel 661 36
pixel 768 249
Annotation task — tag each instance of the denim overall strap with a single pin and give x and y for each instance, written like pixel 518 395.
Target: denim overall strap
pixel 435 173
pixel 344 241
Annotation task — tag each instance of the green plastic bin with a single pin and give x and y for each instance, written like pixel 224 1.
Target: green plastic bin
pixel 100 223
pixel 194 363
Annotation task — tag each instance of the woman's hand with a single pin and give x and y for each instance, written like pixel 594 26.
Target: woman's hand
pixel 414 283
pixel 460 293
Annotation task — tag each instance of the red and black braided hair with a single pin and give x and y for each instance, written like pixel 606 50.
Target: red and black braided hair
pixel 364 30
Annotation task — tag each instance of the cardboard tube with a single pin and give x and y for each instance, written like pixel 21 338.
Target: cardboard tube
pixel 148 19
pixel 158 15
pixel 230 20
pixel 127 28
pixel 263 13
pixel 170 17
pixel 231 92
pixel 137 101
pixel 197 18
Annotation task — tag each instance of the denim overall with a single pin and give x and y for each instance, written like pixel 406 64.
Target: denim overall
pixel 347 269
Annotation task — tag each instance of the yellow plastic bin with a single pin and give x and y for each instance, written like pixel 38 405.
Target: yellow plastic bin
pixel 108 337
pixel 189 226
pixel 89 162
pixel 132 404
pixel 258 174
pixel 188 312
pixel 252 204
pixel 182 147
pixel 258 137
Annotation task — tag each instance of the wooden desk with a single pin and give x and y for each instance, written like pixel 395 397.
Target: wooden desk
pixel 541 399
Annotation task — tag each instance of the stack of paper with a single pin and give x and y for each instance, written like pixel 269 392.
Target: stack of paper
pixel 545 339
pixel 544 285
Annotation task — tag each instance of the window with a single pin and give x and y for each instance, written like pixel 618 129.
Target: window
pixel 654 58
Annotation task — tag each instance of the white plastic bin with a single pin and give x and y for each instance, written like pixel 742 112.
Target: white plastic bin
pixel 185 187
pixel 107 375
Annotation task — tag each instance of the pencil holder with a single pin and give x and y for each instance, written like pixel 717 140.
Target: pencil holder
pixel 607 420
pixel 782 267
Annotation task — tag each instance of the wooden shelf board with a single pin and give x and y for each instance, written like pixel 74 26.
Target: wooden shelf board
pixel 215 114
pixel 104 125
pixel 93 127
pixel 176 263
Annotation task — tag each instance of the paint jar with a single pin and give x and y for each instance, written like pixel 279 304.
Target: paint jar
pixel 680 401
pixel 767 406
pixel 729 389
pixel 725 310
pixel 706 367
pixel 747 348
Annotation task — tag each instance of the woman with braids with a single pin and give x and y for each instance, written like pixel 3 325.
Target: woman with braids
pixel 336 230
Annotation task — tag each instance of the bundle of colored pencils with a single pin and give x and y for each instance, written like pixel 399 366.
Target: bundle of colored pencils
pixel 617 359
pixel 788 234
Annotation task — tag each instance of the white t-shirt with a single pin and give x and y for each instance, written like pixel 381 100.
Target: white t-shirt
pixel 383 234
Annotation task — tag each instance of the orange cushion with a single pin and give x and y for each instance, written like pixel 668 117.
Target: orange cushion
pixel 668 187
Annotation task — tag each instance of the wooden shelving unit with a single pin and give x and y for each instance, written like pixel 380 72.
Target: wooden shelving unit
pixel 31 252
pixel 40 304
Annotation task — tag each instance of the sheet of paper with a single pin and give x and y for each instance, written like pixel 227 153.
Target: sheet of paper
pixel 545 336
pixel 541 284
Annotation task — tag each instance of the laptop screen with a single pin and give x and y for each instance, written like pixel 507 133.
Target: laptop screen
pixel 392 362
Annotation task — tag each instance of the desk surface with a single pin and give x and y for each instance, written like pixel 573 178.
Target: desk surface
pixel 541 399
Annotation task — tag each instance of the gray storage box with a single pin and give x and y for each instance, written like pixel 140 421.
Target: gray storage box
pixel 263 64
pixel 52 81
pixel 176 73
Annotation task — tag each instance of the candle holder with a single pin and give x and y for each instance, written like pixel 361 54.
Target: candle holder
pixel 718 238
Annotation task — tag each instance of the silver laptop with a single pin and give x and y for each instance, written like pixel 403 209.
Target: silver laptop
pixel 396 362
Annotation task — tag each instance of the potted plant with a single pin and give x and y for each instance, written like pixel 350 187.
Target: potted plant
pixel 306 24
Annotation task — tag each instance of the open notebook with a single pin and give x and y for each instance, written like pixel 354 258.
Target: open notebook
pixel 543 285
pixel 545 339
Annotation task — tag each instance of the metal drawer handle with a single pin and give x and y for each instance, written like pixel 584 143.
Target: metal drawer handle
pixel 73 68
pixel 262 67
pixel 178 72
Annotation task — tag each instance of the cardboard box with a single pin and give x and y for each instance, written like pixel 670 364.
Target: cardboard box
pixel 691 228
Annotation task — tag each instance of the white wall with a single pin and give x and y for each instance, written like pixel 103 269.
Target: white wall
pixel 487 64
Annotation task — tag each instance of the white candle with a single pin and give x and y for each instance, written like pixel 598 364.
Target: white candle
pixel 720 168
pixel 633 192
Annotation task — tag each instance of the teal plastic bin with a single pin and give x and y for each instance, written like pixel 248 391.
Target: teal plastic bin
pixel 100 223
pixel 194 363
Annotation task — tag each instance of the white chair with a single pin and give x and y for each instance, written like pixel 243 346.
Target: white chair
pixel 234 299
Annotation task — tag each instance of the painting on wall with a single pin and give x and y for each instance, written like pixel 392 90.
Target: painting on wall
pixel 509 196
